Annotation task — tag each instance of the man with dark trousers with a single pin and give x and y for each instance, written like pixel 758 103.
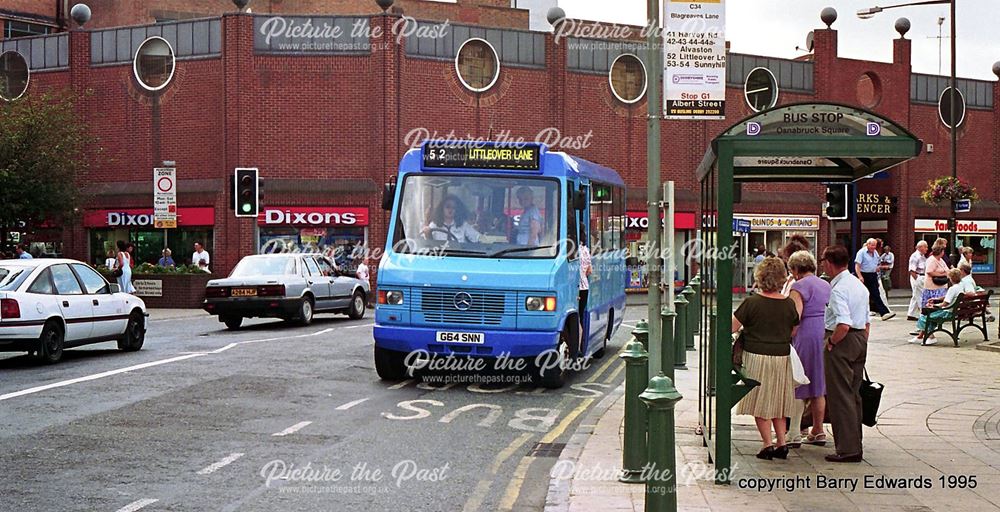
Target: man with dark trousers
pixel 866 267
pixel 847 329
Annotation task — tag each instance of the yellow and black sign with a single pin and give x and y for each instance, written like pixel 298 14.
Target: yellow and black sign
pixel 876 204
pixel 451 155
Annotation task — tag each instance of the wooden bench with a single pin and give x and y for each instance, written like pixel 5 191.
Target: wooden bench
pixel 962 314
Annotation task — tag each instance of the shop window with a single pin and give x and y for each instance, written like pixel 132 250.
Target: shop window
pixel 150 243
pixel 154 63
pixel 477 65
pixel 628 78
pixel 14 75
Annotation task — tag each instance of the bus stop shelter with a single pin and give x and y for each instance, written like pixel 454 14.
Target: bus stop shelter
pixel 804 143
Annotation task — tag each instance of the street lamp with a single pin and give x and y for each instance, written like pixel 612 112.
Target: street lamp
pixel 953 125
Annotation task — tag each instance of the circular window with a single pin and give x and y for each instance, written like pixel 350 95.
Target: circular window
pixel 869 90
pixel 14 75
pixel 944 107
pixel 154 63
pixel 761 89
pixel 628 78
pixel 477 65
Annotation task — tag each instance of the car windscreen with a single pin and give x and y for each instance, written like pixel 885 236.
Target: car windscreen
pixel 264 266
pixel 478 216
pixel 11 277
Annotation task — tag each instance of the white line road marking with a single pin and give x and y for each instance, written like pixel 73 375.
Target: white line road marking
pixel 363 325
pixel 348 405
pixel 221 464
pixel 403 384
pixel 95 376
pixel 627 325
pixel 293 429
pixel 136 505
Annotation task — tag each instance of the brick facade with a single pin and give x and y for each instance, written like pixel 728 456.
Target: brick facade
pixel 340 122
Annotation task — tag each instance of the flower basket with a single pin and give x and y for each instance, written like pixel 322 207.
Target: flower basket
pixel 945 190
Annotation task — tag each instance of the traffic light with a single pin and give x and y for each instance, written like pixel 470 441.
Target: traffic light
pixel 246 193
pixel 837 202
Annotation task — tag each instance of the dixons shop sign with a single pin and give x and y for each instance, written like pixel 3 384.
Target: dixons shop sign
pixel 313 216
pixel 143 218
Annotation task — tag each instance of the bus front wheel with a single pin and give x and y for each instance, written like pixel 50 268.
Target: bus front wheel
pixel 389 364
pixel 552 376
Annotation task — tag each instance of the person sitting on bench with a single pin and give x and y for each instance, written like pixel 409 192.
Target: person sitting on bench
pixel 958 287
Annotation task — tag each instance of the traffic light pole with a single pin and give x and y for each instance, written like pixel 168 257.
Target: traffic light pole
pixel 852 214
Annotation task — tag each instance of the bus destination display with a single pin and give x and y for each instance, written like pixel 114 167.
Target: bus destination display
pixel 472 156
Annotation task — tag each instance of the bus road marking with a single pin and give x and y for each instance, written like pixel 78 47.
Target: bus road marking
pixel 403 384
pixel 221 464
pixel 614 375
pixel 483 487
pixel 356 326
pixel 292 429
pixel 348 405
pixel 136 505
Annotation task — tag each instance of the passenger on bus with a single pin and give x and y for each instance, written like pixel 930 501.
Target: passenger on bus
pixel 451 217
pixel 529 225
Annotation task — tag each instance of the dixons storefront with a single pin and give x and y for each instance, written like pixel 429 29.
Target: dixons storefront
pixel 334 230
pixel 981 235
pixel 135 225
pixel 636 236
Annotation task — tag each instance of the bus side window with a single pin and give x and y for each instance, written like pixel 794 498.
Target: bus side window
pixel 572 224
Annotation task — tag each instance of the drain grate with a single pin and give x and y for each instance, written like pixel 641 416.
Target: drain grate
pixel 546 450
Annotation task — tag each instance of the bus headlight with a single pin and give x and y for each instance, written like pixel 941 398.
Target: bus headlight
pixel 540 303
pixel 393 297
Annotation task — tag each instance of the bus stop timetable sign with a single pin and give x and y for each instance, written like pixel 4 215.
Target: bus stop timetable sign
pixel 446 155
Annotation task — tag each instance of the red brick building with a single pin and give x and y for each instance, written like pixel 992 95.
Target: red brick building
pixel 326 125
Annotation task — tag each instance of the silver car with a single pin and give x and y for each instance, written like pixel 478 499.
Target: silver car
pixel 292 287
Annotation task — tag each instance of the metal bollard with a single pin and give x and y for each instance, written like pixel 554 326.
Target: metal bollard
pixel 692 318
pixel 680 330
pixel 641 333
pixel 696 286
pixel 667 356
pixel 661 481
pixel 636 374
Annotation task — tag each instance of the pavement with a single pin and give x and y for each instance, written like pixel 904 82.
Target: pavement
pixel 939 423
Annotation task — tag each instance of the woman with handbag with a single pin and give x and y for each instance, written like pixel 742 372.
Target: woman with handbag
pixel 810 294
pixel 123 268
pixel 768 320
pixel 936 275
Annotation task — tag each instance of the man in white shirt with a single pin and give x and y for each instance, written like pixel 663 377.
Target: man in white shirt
pixel 200 257
pixel 362 272
pixel 918 260
pixel 847 328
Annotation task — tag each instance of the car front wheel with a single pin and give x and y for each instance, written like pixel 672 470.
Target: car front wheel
pixel 50 344
pixel 135 333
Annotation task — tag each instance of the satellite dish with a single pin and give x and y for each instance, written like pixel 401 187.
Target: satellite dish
pixel 810 41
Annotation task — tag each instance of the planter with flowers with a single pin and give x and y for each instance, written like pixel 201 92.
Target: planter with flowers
pixel 167 287
pixel 948 189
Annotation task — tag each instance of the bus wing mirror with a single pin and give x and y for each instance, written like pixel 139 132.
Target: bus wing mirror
pixel 580 199
pixel 388 193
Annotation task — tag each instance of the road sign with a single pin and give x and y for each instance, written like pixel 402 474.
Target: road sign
pixel 694 59
pixel 963 205
pixel 165 197
pixel 741 225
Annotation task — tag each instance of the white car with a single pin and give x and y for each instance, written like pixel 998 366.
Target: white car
pixel 47 305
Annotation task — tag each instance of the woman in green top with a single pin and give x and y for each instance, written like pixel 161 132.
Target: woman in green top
pixel 768 320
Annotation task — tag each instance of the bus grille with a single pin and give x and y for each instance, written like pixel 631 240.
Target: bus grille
pixel 485 308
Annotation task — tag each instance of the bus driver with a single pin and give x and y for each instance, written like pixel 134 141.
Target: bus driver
pixel 451 217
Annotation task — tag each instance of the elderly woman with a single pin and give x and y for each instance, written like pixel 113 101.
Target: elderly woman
pixel 934 268
pixel 958 287
pixel 768 320
pixel 810 295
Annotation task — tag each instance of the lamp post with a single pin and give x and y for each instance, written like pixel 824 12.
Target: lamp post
pixel 869 13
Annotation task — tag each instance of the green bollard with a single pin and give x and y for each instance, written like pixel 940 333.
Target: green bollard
pixel 692 318
pixel 667 319
pixel 634 452
pixel 661 481
pixel 696 286
pixel 680 329
pixel 641 333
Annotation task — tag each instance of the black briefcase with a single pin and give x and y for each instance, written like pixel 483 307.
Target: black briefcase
pixel 871 396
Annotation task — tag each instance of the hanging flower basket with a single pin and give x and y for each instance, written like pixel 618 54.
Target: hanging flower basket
pixel 945 190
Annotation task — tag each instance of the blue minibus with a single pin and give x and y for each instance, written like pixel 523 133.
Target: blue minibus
pixel 482 260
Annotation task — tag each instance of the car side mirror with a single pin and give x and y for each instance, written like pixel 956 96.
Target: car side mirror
pixel 580 199
pixel 388 194
pixel 114 288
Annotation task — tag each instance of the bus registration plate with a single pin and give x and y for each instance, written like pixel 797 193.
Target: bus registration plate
pixel 460 337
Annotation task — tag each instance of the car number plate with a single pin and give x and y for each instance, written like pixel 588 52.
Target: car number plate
pixel 244 292
pixel 460 337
